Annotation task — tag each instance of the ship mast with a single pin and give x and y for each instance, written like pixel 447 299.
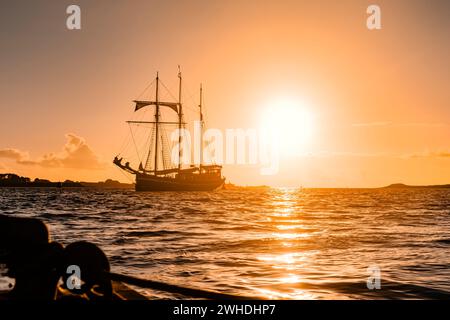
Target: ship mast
pixel 180 115
pixel 156 121
pixel 201 125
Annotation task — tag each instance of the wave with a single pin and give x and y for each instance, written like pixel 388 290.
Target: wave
pixel 161 233
pixel 444 241
pixel 389 290
pixel 243 239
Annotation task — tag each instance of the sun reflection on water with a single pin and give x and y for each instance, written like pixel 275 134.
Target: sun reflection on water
pixel 291 278
pixel 286 218
pixel 291 235
pixel 276 295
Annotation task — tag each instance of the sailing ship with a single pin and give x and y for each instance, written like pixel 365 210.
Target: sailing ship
pixel 158 173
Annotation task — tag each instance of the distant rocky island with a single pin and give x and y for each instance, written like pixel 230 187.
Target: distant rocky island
pixel 11 180
pixel 405 186
pixel 108 184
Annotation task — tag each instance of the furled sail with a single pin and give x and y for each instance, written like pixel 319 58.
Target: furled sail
pixel 141 104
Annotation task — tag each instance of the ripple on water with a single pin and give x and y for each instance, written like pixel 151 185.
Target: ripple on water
pixel 281 243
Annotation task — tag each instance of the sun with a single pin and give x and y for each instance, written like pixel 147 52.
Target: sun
pixel 289 125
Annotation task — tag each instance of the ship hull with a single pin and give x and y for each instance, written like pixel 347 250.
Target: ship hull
pixel 145 182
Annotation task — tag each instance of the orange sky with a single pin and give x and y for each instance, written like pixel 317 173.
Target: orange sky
pixel 380 99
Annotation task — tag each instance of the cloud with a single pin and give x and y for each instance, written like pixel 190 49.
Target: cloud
pixel 427 154
pixel 372 124
pixel 435 154
pixel 76 154
pixel 444 154
pixel 13 154
pixel 422 124
pixel 327 154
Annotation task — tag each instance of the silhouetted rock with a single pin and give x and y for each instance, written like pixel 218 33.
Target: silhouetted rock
pixel 405 186
pixel 12 180
pixel 108 184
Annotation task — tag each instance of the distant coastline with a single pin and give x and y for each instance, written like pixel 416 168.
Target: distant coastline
pixel 405 186
pixel 11 180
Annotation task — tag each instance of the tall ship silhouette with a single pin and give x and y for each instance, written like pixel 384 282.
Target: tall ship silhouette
pixel 156 170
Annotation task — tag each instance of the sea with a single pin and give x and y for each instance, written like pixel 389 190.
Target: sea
pixel 278 243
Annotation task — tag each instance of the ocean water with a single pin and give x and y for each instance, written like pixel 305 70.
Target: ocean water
pixel 274 243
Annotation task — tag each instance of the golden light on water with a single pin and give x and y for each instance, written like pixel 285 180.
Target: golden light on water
pixel 291 235
pixel 287 244
pixel 284 205
pixel 285 216
pixel 287 258
pixel 295 294
pixel 287 266
pixel 288 227
pixel 291 278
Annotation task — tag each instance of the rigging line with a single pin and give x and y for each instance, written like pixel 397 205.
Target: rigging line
pixel 187 106
pixel 165 147
pixel 175 99
pixel 124 145
pixel 135 146
pixel 166 155
pixel 126 140
pixel 148 143
pixel 123 173
pixel 150 155
pixel 204 111
pixel 190 95
pixel 142 114
pixel 141 125
pixel 133 108
pixel 171 95
pixel 146 88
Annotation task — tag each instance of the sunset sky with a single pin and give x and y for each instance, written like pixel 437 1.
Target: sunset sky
pixel 380 99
